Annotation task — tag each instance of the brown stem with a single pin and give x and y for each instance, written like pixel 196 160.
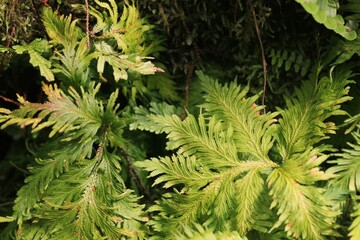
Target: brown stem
pixel 135 176
pixel 9 100
pixel 191 67
pixel 188 79
pixel 262 52
pixel 87 24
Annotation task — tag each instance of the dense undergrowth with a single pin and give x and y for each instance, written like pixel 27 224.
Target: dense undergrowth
pixel 179 120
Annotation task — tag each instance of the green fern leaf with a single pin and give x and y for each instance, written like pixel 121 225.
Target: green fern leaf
pixel 347 169
pixel 355 225
pixel 302 124
pixel 121 63
pixel 62 30
pixel 347 172
pixel 112 9
pixel 72 65
pixel 177 170
pixel 213 170
pixel 252 131
pixel 34 49
pixel 87 209
pixel 222 159
pixel 301 127
pixel 198 232
pixel 65 113
pixel 250 188
pixel 72 191
pixel 42 175
pixel 6 219
pixel 307 214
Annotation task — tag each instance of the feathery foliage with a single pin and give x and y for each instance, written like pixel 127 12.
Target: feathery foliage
pixel 202 233
pixel 347 171
pixel 288 59
pixel 75 187
pixel 34 49
pixel 233 170
pixel 235 157
pixel 120 43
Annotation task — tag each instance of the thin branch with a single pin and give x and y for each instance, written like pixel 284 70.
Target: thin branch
pixel 262 53
pixel 24 171
pixel 9 100
pixel 187 83
pixel 135 176
pixel 9 40
pixel 191 67
pixel 87 24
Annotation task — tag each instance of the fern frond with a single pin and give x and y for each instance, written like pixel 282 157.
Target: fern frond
pixel 62 30
pixel 177 170
pixel 345 50
pixel 140 120
pixel 288 59
pixel 62 112
pixel 300 130
pixel 121 43
pixel 112 9
pixel 217 188
pixel 101 23
pixel 303 209
pixel 347 170
pixel 185 208
pixel 199 232
pixel 128 30
pixel 71 65
pixel 212 144
pixel 223 159
pixel 208 197
pixel 355 225
pixel 250 188
pixel 303 122
pixel 41 177
pixel 34 49
pixel 135 29
pixel 75 189
pixel 216 165
pixel 252 131
pixel 121 63
pixel 116 216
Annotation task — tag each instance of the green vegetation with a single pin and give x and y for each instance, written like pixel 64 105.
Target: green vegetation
pixel 179 119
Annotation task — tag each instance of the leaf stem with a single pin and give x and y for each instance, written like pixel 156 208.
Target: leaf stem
pixel 262 54
pixel 87 24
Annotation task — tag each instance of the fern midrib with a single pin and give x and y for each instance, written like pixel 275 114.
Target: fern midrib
pixel 244 166
pixel 189 177
pixel 231 173
pixel 247 208
pixel 305 212
pixel 296 132
pixel 192 210
pixel 244 129
pixel 33 188
pixel 59 109
pixel 88 197
pixel 352 170
pixel 204 141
